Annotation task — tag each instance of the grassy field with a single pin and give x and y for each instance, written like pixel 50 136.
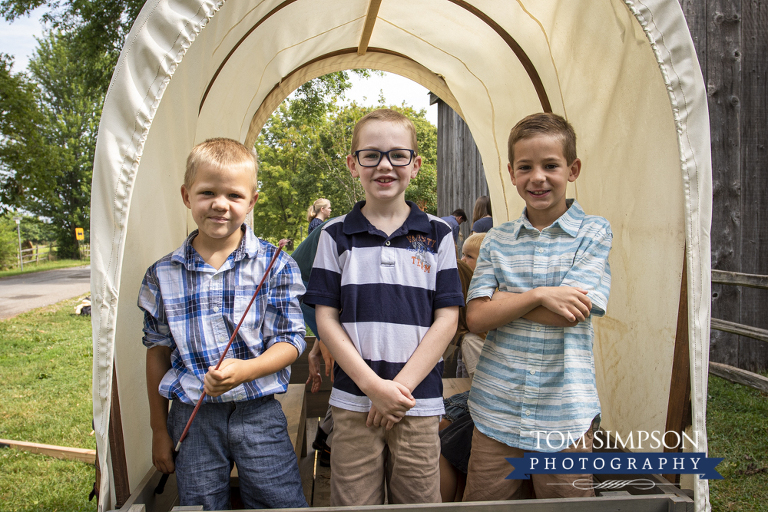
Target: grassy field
pixel 46 265
pixel 737 421
pixel 45 364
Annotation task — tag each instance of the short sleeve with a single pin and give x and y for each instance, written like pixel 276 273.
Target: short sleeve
pixel 591 269
pixel 324 286
pixel 283 319
pixel 448 290
pixel 156 329
pixel 484 282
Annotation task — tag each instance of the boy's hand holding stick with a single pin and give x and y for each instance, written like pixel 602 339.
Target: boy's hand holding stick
pixel 161 485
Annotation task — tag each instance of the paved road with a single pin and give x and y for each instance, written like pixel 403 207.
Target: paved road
pixel 29 291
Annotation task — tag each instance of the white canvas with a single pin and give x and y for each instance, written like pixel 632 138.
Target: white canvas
pixel 623 72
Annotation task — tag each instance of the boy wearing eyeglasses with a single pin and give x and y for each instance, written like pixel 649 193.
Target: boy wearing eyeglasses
pixel 387 292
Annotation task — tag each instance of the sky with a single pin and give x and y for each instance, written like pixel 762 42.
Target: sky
pixel 18 39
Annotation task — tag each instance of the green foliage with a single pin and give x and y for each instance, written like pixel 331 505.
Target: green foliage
pixel 98 27
pixel 21 140
pixel 49 118
pixel 32 229
pixel 37 230
pixel 303 157
pixel 48 161
pixel 9 243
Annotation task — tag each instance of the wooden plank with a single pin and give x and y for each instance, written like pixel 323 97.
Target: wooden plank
pixel 307 464
pixel 739 376
pixel 145 495
pixel 449 366
pixel 370 21
pixel 460 173
pixel 117 446
pixel 321 497
pixel 740 279
pixel 723 81
pixel 753 355
pixel 454 386
pixel 58 452
pixel 679 404
pixel 743 330
pixel 295 410
pixel 648 503
pixel 317 403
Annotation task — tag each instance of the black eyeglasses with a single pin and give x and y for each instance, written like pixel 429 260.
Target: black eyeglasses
pixel 372 157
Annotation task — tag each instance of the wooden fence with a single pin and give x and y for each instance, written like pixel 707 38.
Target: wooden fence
pixel 37 254
pixel 733 373
pixel 42 253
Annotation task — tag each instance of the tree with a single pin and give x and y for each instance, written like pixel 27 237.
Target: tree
pixel 20 119
pixel 98 27
pixel 50 118
pixel 9 244
pixel 47 170
pixel 301 161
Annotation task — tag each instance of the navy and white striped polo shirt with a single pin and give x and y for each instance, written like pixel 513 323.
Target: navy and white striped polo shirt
pixel 387 290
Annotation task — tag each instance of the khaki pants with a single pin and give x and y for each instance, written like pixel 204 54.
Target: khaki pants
pixel 488 469
pixel 365 459
pixel 471 346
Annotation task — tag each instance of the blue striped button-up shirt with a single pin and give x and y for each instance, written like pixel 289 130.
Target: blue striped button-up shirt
pixel 194 308
pixel 535 384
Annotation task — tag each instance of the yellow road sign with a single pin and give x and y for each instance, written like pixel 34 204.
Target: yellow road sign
pixel 79 234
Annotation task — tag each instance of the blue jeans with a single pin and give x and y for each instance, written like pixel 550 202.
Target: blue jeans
pixel 251 434
pixel 456 406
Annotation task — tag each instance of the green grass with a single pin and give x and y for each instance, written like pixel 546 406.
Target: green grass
pixel 45 361
pixel 737 428
pixel 46 265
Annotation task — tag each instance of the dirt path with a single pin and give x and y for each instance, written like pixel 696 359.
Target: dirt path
pixel 29 291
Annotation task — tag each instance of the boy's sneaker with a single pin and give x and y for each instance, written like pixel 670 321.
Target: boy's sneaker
pixel 324 459
pixel 324 451
pixel 320 438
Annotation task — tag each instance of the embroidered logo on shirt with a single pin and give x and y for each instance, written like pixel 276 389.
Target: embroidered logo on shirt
pixel 421 245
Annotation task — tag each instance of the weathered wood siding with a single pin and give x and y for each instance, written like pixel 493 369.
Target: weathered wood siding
pixel 460 173
pixel 731 40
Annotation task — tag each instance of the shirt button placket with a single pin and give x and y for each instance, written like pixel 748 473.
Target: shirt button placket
pixel 217 292
pixel 387 255
pixel 539 263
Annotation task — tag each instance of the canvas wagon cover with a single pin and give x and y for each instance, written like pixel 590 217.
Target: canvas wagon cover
pixel 623 72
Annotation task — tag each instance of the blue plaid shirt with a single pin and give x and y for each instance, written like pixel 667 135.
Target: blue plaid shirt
pixel 193 308
pixel 535 380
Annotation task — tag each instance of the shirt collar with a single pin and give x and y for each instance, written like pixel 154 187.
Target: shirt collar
pixel 570 221
pixel 355 221
pixel 191 259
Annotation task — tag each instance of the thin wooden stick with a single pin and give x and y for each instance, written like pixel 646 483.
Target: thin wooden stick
pixel 161 485
pixel 231 339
